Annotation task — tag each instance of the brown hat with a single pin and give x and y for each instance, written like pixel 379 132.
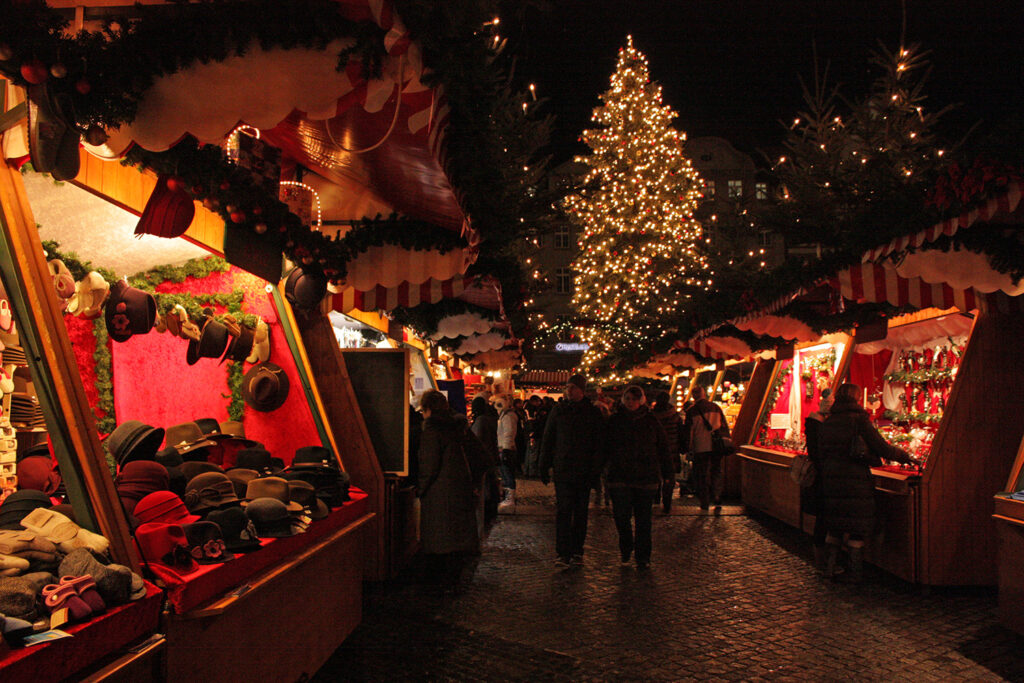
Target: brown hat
pixel 240 346
pixel 271 487
pixel 304 494
pixel 186 437
pixel 265 387
pixel 213 340
pixel 240 477
pixel 208 491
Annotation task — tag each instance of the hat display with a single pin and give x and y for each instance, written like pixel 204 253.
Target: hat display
pixel 241 477
pixel 314 455
pixel 256 458
pixel 305 289
pixel 265 387
pixel 186 437
pixel 169 457
pixel 240 346
pixel 270 517
pixel 271 487
pixel 193 468
pixel 37 472
pixel 176 481
pixel 206 543
pixel 165 545
pixel 134 440
pixel 304 493
pixel 208 491
pixel 237 529
pixel 211 429
pixel 236 431
pixel 139 478
pixel 17 506
pixel 163 506
pixel 41 448
pixel 331 484
pixel 213 340
pixel 129 311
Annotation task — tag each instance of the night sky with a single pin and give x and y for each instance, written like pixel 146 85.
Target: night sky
pixel 732 67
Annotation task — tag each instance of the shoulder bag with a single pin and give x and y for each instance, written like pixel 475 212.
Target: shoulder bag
pixel 719 443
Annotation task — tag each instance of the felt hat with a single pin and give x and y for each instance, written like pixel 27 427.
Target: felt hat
pixel 240 346
pixel 138 479
pixel 129 311
pixel 37 472
pixel 17 506
pixel 177 481
pixel 256 458
pixel 52 135
pixel 41 448
pixel 235 431
pixel 208 491
pixel 193 468
pixel 240 477
pixel 186 437
pixel 270 517
pixel 206 543
pixel 213 340
pixel 265 387
pixel 314 455
pixel 211 429
pixel 163 506
pixel 90 294
pixel 271 487
pixel 331 484
pixel 305 289
pixel 169 457
pixel 168 212
pixel 304 494
pixel 237 529
pixel 134 440
pixel 165 545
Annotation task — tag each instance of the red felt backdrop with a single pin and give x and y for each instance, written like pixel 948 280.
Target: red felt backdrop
pixel 154 384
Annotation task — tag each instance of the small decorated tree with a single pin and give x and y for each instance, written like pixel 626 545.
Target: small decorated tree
pixel 640 254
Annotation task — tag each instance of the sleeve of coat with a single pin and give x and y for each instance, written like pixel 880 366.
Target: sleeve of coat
pixel 664 451
pixel 547 442
pixel 476 456
pixel 724 429
pixel 878 446
pixel 430 461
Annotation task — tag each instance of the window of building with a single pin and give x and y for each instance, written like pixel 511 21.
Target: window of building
pixel 563 280
pixel 709 188
pixel 764 238
pixel 562 237
pixel 761 190
pixel 735 189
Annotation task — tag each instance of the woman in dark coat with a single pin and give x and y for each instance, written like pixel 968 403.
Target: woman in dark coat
pixel 639 461
pixel 485 428
pixel 672 423
pixel 451 463
pixel 849 446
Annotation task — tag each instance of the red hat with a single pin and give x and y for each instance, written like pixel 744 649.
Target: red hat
pixel 165 507
pixel 165 544
pixel 36 472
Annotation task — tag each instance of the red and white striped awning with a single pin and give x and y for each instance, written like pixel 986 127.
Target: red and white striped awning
pixel 873 282
pixel 404 295
pixel 1003 204
pixel 546 378
pixel 701 348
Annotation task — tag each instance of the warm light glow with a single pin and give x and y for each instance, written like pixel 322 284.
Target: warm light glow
pixel 316 198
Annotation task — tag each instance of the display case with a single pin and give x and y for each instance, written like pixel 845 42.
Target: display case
pixel 938 384
pixel 1009 523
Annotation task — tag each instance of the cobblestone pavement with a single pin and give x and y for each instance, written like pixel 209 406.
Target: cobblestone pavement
pixel 727 598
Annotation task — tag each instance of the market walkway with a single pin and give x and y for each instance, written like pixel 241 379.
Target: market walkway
pixel 727 598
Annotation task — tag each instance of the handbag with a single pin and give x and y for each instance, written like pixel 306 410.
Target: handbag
pixel 719 442
pixel 802 471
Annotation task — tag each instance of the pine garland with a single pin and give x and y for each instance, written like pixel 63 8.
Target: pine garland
pixel 407 233
pixel 922 376
pixel 106 420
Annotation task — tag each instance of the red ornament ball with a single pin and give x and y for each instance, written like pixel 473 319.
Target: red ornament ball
pixel 225 185
pixel 237 216
pixel 83 86
pixel 175 184
pixel 34 71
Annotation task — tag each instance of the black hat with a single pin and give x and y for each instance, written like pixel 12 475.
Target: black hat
pixel 271 518
pixel 211 429
pixel 265 387
pixel 240 347
pixel 331 484
pixel 305 289
pixel 192 469
pixel 206 543
pixel 41 448
pixel 237 529
pixel 134 440
pixel 177 481
pixel 304 493
pixel 315 455
pixel 17 506
pixel 128 311
pixel 169 457
pixel 255 458
pixel 213 340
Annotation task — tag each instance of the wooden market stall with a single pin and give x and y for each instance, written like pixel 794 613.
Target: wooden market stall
pixel 1009 522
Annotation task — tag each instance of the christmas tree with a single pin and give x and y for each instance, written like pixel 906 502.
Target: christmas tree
pixel 640 254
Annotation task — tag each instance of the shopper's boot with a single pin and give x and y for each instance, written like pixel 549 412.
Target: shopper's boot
pixel 508 505
pixel 856 571
pixel 820 554
pixel 831 568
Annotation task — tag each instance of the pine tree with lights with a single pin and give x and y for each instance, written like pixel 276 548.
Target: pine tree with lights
pixel 640 257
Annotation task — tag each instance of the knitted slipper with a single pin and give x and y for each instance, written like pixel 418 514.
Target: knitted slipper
pixel 114 582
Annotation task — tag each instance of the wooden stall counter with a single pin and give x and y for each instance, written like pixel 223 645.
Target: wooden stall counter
pixel 283 624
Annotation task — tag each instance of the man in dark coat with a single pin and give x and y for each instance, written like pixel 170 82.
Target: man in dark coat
pixel 572 449
pixel 703 419
pixel 849 446
pixel 639 462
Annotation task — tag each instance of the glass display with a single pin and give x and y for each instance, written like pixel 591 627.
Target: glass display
pixel 795 394
pixel 731 388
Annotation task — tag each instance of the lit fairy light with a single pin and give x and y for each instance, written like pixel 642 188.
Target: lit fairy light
pixel 316 198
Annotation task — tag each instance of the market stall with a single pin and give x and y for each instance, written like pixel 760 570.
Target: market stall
pixel 1009 522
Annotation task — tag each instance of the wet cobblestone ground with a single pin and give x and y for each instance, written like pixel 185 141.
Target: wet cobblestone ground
pixel 731 598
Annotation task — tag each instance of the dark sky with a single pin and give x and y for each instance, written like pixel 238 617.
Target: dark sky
pixel 731 67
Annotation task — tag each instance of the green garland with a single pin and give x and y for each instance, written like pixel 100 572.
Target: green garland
pixel 922 376
pixel 772 397
pixel 407 233
pixel 903 418
pixel 106 420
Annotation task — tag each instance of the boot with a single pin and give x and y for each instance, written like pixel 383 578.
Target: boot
pixel 831 559
pixel 509 504
pixel 856 571
pixel 820 554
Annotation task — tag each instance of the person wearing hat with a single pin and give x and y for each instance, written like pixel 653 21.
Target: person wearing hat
pixel 451 462
pixel 571 454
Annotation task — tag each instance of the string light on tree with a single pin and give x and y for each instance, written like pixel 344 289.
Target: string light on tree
pixel 641 251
